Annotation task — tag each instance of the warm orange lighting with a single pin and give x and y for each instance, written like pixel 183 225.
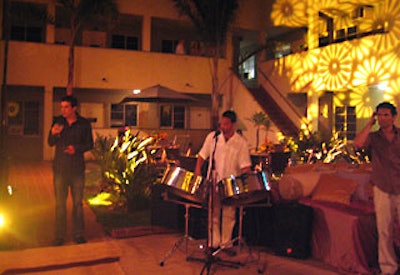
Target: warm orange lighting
pixel 370 72
pixel 102 198
pixel 335 66
pixel 2 220
pixel 387 15
pixel 352 69
pixel 289 12
pixel 361 97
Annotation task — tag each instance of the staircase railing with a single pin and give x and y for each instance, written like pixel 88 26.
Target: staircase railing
pixel 291 111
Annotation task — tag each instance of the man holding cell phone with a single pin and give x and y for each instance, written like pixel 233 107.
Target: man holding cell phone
pixel 71 134
pixel 384 145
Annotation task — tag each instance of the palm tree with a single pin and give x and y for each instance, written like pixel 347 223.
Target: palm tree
pixel 80 13
pixel 212 19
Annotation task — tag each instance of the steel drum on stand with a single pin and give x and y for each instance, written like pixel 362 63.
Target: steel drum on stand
pixel 184 184
pixel 247 188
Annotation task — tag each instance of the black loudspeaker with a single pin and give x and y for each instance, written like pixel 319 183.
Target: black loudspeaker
pixel 258 225
pixel 165 213
pixel 292 230
pixel 198 218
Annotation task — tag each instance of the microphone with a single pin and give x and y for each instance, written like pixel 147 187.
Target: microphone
pixel 217 133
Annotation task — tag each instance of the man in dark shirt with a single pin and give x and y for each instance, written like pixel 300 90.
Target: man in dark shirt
pixel 72 136
pixel 384 145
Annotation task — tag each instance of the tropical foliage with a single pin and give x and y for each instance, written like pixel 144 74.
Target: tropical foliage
pixel 127 169
pixel 309 147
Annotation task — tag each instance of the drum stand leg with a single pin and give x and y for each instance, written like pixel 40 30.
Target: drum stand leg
pixel 185 239
pixel 211 255
pixel 261 267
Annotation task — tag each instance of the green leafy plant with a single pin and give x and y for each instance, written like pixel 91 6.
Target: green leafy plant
pixel 309 147
pixel 260 120
pixel 127 169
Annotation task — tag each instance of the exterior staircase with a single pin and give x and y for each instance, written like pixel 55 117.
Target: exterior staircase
pixel 275 112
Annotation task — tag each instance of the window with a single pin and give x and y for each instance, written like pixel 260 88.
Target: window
pixel 172 116
pixel 168 46
pixel 123 115
pixel 345 121
pixel 25 33
pixel 125 42
pixel 23 118
pixel 27 21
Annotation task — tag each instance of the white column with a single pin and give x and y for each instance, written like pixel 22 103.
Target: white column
pixel 146 33
pixel 50 28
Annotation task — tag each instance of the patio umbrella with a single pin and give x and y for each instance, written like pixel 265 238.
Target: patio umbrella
pixel 158 93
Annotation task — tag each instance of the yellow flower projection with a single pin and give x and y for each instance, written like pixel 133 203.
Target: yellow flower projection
pixel 392 91
pixel 370 72
pixel 354 68
pixel 387 15
pixel 289 13
pixel 392 63
pixel 361 98
pixel 360 48
pixel 302 68
pixel 340 98
pixel 335 66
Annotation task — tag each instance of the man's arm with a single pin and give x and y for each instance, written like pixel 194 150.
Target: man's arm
pixel 361 138
pixel 54 134
pixel 199 164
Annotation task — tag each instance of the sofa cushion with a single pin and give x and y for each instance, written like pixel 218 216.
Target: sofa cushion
pixel 333 188
pixel 290 188
pixel 364 188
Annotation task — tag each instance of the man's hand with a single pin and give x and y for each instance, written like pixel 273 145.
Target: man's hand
pixel 70 150
pixel 57 129
pixel 372 121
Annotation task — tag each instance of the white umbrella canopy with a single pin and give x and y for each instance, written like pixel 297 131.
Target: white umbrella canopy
pixel 158 93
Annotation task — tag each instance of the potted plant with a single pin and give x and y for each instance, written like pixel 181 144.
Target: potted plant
pixel 260 120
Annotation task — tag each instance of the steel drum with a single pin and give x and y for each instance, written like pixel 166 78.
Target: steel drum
pixel 247 188
pixel 183 183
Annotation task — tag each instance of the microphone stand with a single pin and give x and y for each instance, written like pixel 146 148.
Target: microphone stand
pixel 211 180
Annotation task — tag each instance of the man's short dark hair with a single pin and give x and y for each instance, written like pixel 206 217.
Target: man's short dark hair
pixel 387 105
pixel 71 99
pixel 231 115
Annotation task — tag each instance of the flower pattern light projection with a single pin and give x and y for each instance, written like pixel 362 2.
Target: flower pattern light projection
pixel 361 97
pixel 387 16
pixel 348 68
pixel 305 63
pixel 392 91
pixel 371 72
pixel 361 48
pixel 289 13
pixel 335 66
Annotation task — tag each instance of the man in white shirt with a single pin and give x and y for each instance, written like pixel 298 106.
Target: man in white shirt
pixel 230 153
